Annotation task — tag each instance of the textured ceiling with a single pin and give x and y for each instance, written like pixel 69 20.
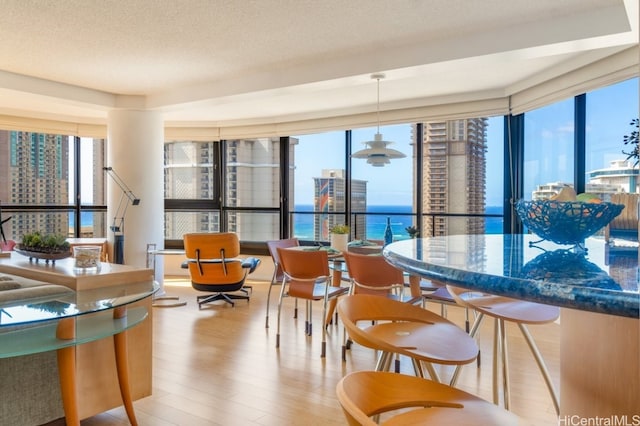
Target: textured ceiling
pixel 223 62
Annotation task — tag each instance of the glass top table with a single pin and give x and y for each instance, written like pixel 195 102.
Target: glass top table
pixel 61 302
pixel 602 279
pixel 59 319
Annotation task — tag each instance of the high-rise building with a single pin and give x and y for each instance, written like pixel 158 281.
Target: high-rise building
pixel 34 170
pixel 620 174
pixel 330 197
pixel 620 177
pixel 252 180
pixel 189 174
pixel 454 175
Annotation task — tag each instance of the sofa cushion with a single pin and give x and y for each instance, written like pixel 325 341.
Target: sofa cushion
pixel 9 285
pixel 14 289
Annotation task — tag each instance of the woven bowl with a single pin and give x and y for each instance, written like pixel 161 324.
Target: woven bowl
pixel 566 222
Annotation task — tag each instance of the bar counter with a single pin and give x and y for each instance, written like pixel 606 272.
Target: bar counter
pixel 596 289
pixel 603 280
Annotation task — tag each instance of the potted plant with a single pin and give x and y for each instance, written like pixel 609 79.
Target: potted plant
pixel 44 246
pixel 412 231
pixel 339 235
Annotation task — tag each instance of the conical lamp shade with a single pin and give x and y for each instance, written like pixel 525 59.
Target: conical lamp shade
pixel 377 152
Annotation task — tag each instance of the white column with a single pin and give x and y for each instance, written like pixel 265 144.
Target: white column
pixel 135 151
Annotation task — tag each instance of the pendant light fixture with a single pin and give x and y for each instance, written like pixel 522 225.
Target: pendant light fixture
pixel 377 152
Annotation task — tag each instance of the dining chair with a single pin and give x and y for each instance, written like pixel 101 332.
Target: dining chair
pixel 215 266
pixel 401 328
pixel 372 274
pixel 380 398
pixel 504 310
pixel 306 276
pixel 278 274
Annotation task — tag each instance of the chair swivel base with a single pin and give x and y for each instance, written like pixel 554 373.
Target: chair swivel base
pixel 220 296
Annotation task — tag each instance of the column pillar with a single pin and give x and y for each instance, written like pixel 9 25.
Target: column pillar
pixel 135 151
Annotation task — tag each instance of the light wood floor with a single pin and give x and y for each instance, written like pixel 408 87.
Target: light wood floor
pixel 219 366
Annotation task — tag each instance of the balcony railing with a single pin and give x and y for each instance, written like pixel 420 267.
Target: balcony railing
pixel 305 225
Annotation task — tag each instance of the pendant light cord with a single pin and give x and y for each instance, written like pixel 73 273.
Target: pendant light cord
pixel 378 77
pixel 378 105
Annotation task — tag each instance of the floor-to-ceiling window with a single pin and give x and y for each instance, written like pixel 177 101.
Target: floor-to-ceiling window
pixel 192 188
pixel 39 189
pixel 236 185
pixel 548 149
pixel 251 188
pixel 91 186
pixel 494 182
pixel 318 180
pixel 609 112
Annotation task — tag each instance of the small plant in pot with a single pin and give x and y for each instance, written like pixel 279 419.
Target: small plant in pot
pixel 340 229
pixel 339 237
pixel 49 243
pixel 412 231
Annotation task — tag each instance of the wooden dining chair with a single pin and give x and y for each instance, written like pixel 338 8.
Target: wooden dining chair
pixel 507 310
pixel 278 274
pixel 372 274
pixel 405 329
pixel 372 398
pixel 307 276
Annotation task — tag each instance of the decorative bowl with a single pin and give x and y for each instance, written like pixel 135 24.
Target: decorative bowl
pixel 40 255
pixel 566 222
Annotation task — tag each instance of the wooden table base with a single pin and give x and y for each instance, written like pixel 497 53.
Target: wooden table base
pixel 66 330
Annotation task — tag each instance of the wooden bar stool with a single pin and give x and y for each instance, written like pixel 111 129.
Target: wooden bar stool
pixel 366 394
pixel 405 329
pixel 519 312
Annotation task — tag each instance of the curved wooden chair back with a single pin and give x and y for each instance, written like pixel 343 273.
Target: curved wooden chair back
pixel 372 274
pixel 213 258
pixel 304 269
pixel 273 251
pixel 364 394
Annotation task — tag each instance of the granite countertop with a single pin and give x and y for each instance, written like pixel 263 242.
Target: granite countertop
pixel 603 279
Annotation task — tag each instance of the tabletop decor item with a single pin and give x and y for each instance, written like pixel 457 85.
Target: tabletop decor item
pixel 339 235
pixel 49 247
pixel 87 258
pixel 412 231
pixel 388 233
pixel 566 222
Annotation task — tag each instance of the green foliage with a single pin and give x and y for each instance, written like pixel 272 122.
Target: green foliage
pixel 340 229
pixel 632 140
pixel 412 231
pixel 36 241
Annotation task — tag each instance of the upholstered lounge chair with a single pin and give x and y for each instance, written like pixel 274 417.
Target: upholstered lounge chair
pixel 215 267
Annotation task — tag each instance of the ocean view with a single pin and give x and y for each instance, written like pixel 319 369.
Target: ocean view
pixel 401 218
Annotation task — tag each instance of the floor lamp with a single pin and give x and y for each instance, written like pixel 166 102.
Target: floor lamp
pixel 117 226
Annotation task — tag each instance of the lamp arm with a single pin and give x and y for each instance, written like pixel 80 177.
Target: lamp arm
pixel 123 186
pixel 118 219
